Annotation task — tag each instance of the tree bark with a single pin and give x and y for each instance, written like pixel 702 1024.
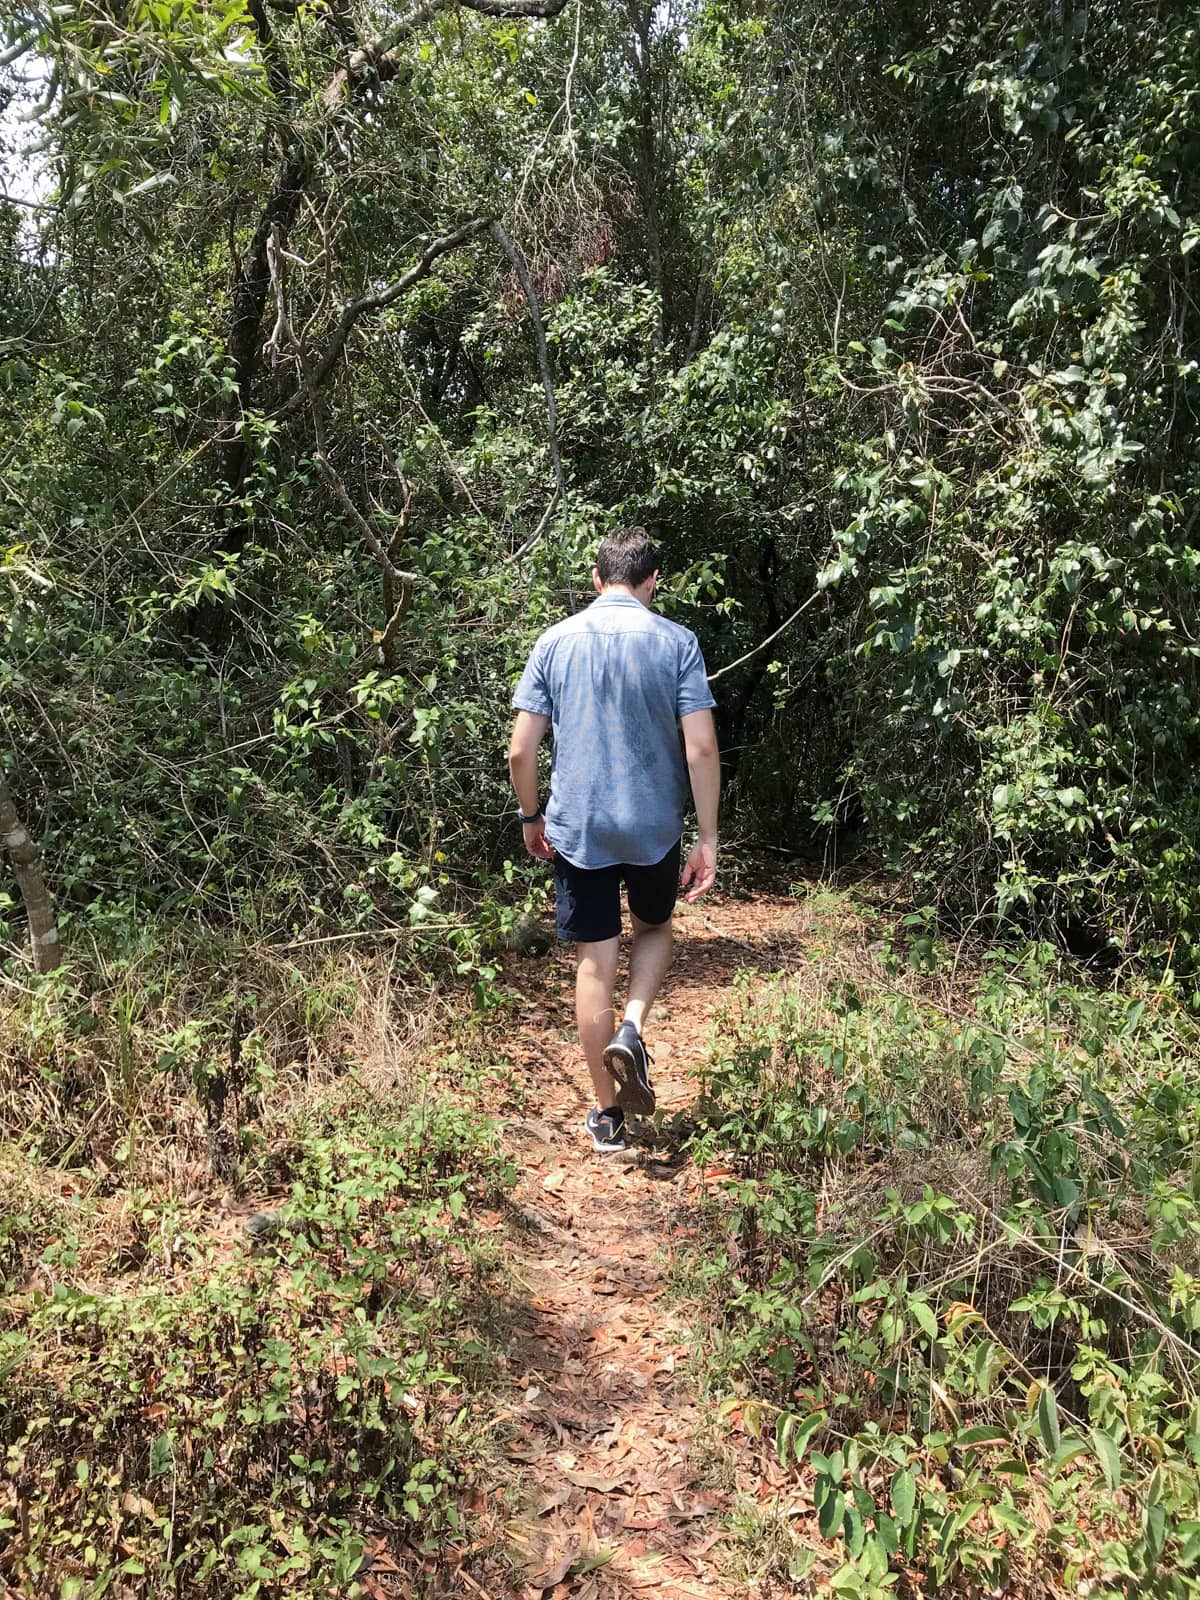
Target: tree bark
pixel 245 332
pixel 642 17
pixel 22 852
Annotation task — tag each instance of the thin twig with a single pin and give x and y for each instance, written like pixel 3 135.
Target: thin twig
pixel 543 359
pixel 770 639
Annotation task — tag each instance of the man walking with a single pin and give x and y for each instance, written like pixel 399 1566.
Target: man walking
pixel 616 683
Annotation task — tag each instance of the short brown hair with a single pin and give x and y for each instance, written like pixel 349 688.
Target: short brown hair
pixel 627 556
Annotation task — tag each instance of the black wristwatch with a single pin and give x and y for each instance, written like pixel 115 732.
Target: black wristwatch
pixel 537 815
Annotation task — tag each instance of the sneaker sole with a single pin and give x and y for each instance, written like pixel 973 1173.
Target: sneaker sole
pixel 635 1095
pixel 609 1148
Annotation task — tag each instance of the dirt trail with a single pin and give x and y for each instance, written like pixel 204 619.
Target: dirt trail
pixel 605 1456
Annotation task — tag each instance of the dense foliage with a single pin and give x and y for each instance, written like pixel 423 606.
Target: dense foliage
pixel 961 1227
pixel 235 1412
pixel 332 338
pixel 884 312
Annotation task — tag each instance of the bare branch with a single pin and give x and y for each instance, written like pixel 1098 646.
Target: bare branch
pixel 518 9
pixel 397 583
pixel 528 545
pixel 378 61
pixel 312 377
pixel 376 302
pixel 543 360
pixel 770 639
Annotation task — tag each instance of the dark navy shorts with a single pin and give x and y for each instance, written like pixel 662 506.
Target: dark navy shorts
pixel 589 899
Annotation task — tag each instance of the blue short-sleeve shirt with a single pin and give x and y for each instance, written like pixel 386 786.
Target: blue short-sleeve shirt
pixel 615 679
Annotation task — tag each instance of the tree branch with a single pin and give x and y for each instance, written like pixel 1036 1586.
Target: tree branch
pixel 397 584
pixel 379 60
pixel 770 639
pixel 22 852
pixel 376 302
pixel 312 377
pixel 543 359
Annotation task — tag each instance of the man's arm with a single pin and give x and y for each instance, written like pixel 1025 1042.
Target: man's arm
pixel 528 732
pixel 704 769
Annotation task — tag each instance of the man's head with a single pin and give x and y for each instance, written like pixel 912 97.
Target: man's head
pixel 627 559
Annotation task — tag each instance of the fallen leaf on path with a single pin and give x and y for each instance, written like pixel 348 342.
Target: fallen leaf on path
pixel 642 1573
pixel 555 1180
pixel 553 1501
pixel 593 1480
pixel 713 1538
pixel 551 1576
pixel 702 1506
pixel 524 1452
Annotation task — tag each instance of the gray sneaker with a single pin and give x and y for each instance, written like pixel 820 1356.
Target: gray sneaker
pixel 607 1129
pixel 627 1060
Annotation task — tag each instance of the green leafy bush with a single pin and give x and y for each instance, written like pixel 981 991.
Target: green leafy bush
pixel 236 1418
pixel 966 1269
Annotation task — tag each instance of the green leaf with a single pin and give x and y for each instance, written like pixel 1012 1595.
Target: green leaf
pixel 854 1531
pixel 955 1523
pixel 805 1431
pixel 1154 1532
pixel 887 1532
pixel 147 186
pixel 1069 1450
pixel 590 1563
pixel 922 1314
pixel 904 1495
pixel 1048 1423
pixel 831 1509
pixel 1108 1456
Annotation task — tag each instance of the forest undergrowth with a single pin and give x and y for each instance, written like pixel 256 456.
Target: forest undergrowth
pixel 243 1276
pixel 256 1243
pixel 956 1258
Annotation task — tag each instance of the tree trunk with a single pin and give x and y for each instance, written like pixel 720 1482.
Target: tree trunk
pixel 642 17
pixel 43 934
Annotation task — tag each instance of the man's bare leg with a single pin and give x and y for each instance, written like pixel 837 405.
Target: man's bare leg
pixel 651 956
pixel 595 975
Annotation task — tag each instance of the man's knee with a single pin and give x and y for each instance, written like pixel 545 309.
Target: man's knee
pixel 596 957
pixel 640 927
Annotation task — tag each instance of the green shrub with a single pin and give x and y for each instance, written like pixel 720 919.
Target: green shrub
pixel 232 1421
pixel 966 1281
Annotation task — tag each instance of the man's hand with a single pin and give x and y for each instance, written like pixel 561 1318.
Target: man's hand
pixel 536 841
pixel 699 870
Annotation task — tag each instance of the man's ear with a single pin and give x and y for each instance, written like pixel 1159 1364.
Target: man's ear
pixel 597 581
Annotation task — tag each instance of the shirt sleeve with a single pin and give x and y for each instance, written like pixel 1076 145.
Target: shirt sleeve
pixel 533 692
pixel 692 692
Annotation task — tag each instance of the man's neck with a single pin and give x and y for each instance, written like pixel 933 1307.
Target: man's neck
pixel 611 589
